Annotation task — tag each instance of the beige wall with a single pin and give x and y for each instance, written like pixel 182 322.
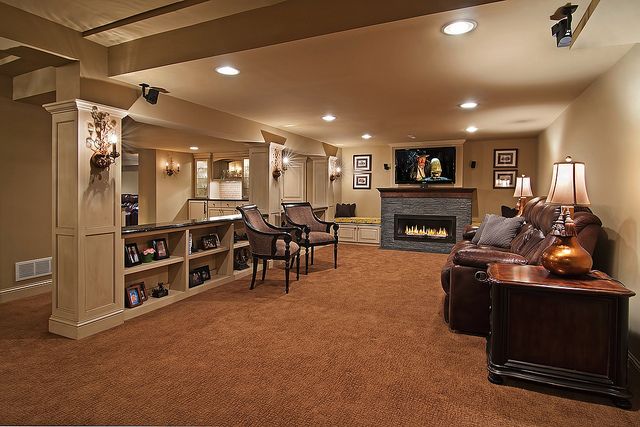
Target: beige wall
pixel 488 199
pixel 129 180
pixel 602 129
pixel 25 192
pixel 173 192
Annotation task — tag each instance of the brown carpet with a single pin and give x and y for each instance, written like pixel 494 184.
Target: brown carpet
pixel 361 345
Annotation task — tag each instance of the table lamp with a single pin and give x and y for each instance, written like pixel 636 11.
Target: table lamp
pixel 523 190
pixel 566 257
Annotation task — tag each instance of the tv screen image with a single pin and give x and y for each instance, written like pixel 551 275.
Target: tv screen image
pixel 426 165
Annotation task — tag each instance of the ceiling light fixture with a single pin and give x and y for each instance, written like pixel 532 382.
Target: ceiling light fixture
pixel 228 70
pixel 468 105
pixel 194 148
pixel 328 117
pixel 366 136
pixel 461 26
pixel 411 136
pixel 471 129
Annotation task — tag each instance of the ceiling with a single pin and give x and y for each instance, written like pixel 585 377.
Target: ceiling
pixel 87 14
pixel 16 59
pixel 403 78
pixel 391 80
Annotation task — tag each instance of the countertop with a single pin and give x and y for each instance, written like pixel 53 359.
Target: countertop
pixel 179 224
pixel 220 200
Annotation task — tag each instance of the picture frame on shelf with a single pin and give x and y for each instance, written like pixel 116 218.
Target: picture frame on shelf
pixel 132 296
pixel 143 291
pixel 131 255
pixel 210 241
pixel 505 158
pixel 162 250
pixel 362 163
pixel 204 272
pixel 362 181
pixel 504 179
pixel 195 279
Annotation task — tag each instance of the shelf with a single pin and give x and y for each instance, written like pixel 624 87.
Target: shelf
pixel 241 244
pixel 153 264
pixel 208 252
pixel 153 304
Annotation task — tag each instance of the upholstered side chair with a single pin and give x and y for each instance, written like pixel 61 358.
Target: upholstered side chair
pixel 267 242
pixel 315 231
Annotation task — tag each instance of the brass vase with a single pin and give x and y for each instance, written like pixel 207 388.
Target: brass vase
pixel 565 257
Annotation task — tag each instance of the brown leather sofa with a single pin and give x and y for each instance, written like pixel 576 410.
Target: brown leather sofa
pixel 463 277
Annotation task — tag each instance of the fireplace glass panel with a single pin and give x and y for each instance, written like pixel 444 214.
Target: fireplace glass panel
pixel 433 228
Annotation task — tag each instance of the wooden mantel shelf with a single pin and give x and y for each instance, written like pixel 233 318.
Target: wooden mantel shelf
pixel 443 192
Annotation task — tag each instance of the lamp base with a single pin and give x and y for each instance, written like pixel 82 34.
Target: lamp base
pixel 565 257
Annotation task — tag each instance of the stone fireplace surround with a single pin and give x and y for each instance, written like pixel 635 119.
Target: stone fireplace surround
pixel 441 201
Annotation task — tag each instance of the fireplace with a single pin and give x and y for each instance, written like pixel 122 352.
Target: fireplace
pixel 425 228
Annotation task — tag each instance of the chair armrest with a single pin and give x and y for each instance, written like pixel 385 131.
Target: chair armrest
pixel 469 232
pixel 291 230
pixel 305 229
pixel 481 258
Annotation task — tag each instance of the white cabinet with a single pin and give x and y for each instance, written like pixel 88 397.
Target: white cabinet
pixel 359 233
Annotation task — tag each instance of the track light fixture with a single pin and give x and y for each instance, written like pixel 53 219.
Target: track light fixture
pixel 562 29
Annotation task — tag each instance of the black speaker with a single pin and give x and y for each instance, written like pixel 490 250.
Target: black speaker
pixel 386 166
pixel 473 164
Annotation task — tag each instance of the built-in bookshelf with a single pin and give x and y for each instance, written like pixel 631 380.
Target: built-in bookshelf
pixel 175 269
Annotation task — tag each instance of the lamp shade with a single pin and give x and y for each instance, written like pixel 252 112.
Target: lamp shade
pixel 568 184
pixel 523 187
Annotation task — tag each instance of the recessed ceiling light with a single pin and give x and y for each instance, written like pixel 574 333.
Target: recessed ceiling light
pixel 461 26
pixel 289 126
pixel 228 70
pixel 194 148
pixel 411 136
pixel 471 129
pixel 366 136
pixel 328 117
pixel 469 105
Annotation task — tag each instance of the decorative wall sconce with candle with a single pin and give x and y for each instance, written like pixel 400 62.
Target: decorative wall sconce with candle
pixel 170 168
pixel 276 168
pixel 566 257
pixel 523 190
pixel 102 139
pixel 335 169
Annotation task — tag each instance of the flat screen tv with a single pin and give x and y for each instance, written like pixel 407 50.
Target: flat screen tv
pixel 426 165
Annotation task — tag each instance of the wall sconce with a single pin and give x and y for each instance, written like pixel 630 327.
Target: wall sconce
pixel 170 169
pixel 102 139
pixel 335 170
pixel 277 164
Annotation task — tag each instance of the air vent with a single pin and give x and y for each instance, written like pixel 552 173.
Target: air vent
pixel 33 268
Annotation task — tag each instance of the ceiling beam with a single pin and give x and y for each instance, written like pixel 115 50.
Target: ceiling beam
pixel 162 10
pixel 279 23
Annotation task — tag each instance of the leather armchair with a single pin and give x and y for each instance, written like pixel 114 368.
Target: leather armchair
pixel 463 277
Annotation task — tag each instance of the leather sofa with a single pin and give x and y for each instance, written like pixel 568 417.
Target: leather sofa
pixel 467 300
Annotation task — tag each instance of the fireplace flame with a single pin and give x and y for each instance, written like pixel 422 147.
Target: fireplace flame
pixel 424 231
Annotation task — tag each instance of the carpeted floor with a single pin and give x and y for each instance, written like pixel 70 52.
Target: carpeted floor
pixel 361 345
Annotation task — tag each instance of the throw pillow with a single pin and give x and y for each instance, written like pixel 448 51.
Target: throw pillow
pixel 352 209
pixel 476 237
pixel 500 231
pixel 342 210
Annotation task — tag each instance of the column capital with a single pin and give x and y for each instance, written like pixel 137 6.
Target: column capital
pixel 82 105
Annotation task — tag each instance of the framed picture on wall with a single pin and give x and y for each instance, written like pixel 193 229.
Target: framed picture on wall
pixel 505 158
pixel 362 181
pixel 362 162
pixel 504 178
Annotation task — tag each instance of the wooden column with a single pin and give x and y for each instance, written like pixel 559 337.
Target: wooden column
pixel 88 289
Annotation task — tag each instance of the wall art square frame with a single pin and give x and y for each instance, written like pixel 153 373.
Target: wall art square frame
pixel 362 163
pixel 362 181
pixel 505 158
pixel 498 173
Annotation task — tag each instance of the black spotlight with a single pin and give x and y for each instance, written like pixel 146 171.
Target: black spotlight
pixel 562 29
pixel 150 93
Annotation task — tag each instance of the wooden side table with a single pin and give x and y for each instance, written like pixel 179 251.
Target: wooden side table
pixel 566 332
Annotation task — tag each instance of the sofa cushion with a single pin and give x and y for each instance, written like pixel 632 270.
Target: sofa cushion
pixel 481 258
pixel 500 231
pixel 478 235
pixel 281 246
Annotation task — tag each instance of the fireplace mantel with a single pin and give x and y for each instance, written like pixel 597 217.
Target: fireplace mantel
pixel 440 192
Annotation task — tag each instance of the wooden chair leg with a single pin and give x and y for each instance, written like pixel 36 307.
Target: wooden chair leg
pixel 312 252
pixel 335 255
pixel 286 278
pixel 264 268
pixel 255 270
pixel 306 261
pixel 298 266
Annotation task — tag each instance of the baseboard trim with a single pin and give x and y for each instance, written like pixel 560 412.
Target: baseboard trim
pixel 23 291
pixel 79 330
